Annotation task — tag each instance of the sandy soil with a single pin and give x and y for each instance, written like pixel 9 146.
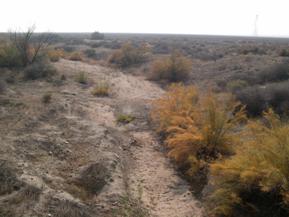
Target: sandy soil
pixel 51 144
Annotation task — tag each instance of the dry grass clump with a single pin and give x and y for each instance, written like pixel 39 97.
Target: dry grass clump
pixel 174 68
pixel 129 55
pixel 130 207
pixel 197 130
pixel 101 89
pixel 8 178
pixel 254 182
pixel 66 208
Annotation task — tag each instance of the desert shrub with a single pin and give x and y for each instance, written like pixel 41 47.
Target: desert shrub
pixel 46 98
pixel 81 78
pixel 255 100
pixel 39 69
pixel 93 178
pixel 8 178
pixel 97 36
pixel 278 97
pixel 90 53
pixel 129 55
pixel 197 131
pixel 75 56
pixel 125 118
pixel 254 182
pixel 66 208
pixel 30 47
pixel 259 98
pixel 284 53
pixel 175 68
pixel 130 207
pixel 2 86
pixel 278 72
pixel 101 89
pixel 55 55
pixel 236 85
pixel 68 48
pixel 9 56
pixel 253 50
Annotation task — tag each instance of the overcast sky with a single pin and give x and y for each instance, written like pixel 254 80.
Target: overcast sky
pixel 223 17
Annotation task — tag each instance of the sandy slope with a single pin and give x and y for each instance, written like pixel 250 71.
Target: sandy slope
pixel 164 193
pixel 51 144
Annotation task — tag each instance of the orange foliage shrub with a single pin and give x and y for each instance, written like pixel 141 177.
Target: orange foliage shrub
pixel 197 130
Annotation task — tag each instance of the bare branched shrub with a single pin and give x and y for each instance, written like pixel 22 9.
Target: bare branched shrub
pixel 29 47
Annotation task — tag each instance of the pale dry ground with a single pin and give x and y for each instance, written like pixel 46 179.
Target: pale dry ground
pixel 163 192
pixel 51 144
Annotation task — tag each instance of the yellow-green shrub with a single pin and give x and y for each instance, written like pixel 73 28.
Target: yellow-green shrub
pixel 174 68
pixel 256 180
